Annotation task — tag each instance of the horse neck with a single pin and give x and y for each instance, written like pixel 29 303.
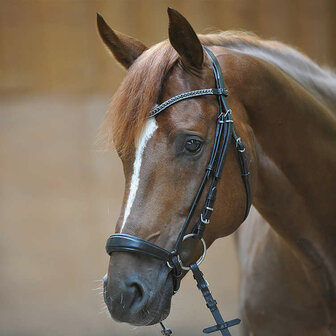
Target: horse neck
pixel 294 145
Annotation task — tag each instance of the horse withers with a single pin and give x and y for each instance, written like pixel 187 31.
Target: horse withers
pixel 282 105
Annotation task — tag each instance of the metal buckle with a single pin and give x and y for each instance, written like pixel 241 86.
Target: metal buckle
pixel 200 260
pixel 205 221
pixel 221 117
pixel 227 112
pixel 171 267
pixel 239 144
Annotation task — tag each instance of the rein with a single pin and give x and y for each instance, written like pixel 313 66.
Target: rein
pixel 224 133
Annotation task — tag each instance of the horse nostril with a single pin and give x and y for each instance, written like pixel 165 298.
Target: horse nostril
pixel 138 295
pixel 137 292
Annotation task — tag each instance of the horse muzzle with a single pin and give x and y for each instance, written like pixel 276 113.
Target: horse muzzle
pixel 141 297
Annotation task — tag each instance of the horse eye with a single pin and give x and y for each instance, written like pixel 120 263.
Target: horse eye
pixel 193 145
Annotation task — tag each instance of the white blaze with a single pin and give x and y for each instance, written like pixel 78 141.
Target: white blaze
pixel 147 132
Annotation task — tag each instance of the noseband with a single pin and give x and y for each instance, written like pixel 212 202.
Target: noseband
pixel 223 135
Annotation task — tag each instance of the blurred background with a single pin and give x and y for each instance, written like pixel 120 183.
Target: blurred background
pixel 59 193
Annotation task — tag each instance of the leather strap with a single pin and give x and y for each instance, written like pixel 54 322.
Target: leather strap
pixel 121 242
pixel 211 303
pixel 185 95
pixel 245 173
pixel 239 144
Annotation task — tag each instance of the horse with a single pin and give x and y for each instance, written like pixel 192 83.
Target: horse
pixel 283 107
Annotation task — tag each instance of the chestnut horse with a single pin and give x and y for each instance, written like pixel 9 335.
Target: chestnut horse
pixel 283 107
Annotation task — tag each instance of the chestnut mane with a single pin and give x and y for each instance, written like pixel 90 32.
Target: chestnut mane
pixel 140 89
pixel 136 96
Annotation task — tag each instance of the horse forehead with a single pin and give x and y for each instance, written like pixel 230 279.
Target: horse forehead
pixel 181 80
pixel 189 113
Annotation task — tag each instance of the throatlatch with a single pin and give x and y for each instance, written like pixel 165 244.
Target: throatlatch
pixel 223 135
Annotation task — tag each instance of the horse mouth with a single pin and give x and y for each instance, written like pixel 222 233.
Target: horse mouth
pixel 155 307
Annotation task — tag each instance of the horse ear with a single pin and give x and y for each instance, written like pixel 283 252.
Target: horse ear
pixel 184 40
pixel 124 48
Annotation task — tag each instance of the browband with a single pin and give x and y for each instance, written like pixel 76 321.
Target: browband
pixel 186 95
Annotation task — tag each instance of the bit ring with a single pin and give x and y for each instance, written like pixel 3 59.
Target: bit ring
pixel 200 260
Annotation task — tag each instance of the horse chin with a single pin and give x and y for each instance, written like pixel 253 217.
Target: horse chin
pixel 157 307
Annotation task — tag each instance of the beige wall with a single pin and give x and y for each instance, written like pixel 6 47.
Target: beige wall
pixel 59 195
pixel 52 45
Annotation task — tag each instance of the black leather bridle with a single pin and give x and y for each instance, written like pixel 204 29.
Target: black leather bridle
pixel 224 133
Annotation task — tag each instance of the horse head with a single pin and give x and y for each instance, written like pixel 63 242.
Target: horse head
pixel 164 160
